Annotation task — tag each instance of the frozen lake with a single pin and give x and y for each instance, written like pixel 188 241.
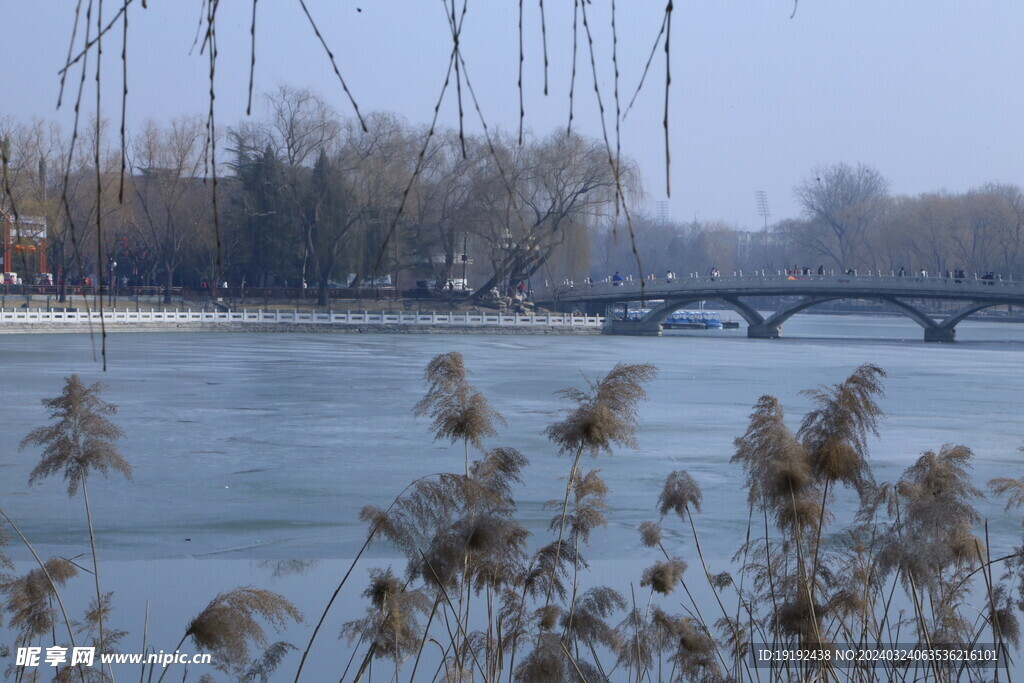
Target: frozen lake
pixel 267 446
pixel 252 449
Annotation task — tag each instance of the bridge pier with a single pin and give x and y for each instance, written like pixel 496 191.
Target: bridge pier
pixel 636 328
pixel 764 331
pixel 939 334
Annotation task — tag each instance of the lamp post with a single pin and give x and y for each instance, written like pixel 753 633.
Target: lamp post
pixel 464 257
pixel 112 283
pixel 507 245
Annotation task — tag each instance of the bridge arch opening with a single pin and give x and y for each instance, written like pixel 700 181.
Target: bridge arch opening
pixel 760 327
pixel 750 315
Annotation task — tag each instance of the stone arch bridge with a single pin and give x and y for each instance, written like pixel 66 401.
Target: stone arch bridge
pixel 967 295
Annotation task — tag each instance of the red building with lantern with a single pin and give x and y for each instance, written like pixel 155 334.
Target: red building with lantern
pixel 23 246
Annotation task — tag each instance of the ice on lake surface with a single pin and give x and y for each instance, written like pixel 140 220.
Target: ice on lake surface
pixel 267 446
pixel 251 452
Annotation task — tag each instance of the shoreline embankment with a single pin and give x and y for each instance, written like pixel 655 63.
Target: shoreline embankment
pixel 287 328
pixel 114 321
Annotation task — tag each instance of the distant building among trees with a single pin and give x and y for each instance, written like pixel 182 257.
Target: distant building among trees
pixel 22 245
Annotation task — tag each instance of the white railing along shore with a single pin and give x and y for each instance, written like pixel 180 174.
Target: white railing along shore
pixel 137 316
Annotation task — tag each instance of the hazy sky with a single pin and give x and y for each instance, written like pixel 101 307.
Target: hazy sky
pixel 927 91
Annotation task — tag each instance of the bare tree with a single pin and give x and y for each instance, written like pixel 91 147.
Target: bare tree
pixel 925 226
pixel 378 162
pixel 170 201
pixel 540 194
pixel 841 204
pixel 975 240
pixel 444 207
pixel 1008 226
pixel 301 125
pixel 88 199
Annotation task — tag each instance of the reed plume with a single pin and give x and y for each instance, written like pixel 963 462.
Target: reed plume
pixel 788 476
pixel 836 432
pixel 391 625
pixel 5 562
pixel 96 614
pixel 449 520
pixel 457 410
pixel 589 622
pixel 1002 616
pixel 605 415
pixel 551 566
pixel 679 494
pixel 650 534
pixel 937 513
pixel 27 599
pixel 1013 489
pixel 264 667
pixel 230 624
pixel 640 642
pixel 693 652
pixel 778 470
pixel 662 577
pixel 79 439
pixel 545 663
pixel 588 507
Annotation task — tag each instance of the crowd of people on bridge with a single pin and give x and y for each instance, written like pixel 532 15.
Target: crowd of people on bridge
pixel 797 272
pixel 804 270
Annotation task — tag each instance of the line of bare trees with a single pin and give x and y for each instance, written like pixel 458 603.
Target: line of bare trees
pixel 849 220
pixel 309 199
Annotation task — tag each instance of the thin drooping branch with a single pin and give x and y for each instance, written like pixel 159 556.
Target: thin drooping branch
pixel 89 42
pixel 668 83
pixel 519 82
pixel 334 64
pixel 647 66
pixel 124 100
pixel 99 193
pixel 572 78
pixel 544 41
pixel 252 58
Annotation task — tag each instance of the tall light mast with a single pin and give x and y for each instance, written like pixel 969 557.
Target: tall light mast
pixel 762 207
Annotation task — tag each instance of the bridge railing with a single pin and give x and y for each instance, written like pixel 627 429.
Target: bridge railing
pixel 412 318
pixel 656 287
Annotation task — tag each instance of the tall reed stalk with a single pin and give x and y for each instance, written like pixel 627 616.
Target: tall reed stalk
pixel 79 440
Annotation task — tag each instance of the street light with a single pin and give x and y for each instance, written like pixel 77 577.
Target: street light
pixel 464 258
pixel 112 283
